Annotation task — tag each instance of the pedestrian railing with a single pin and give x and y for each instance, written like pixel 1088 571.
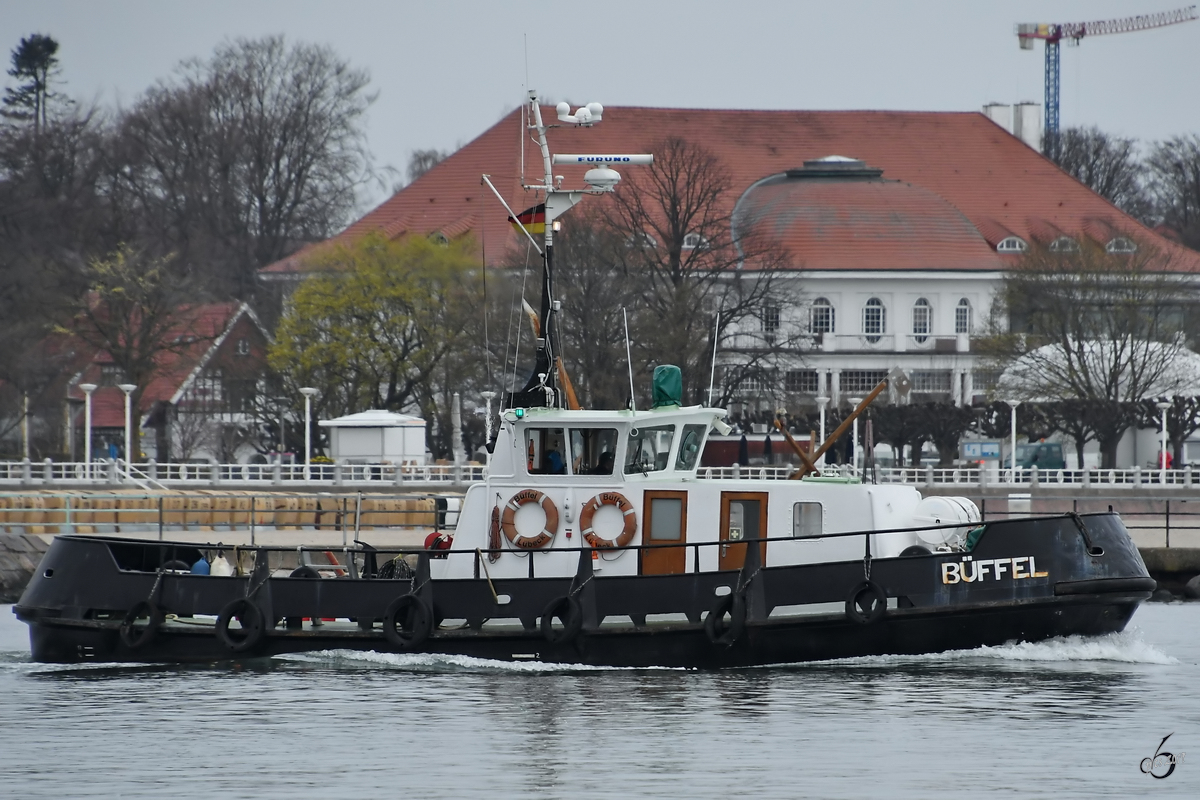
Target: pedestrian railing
pixel 152 475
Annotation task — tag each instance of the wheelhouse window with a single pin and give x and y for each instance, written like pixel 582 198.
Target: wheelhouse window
pixel 647 449
pixel 545 453
pixel 922 312
pixel 962 316
pixel 821 318
pixel 593 451
pixel 690 445
pixel 874 320
pixel 807 520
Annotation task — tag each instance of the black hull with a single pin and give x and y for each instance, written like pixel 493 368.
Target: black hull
pixel 1091 582
pixel 901 632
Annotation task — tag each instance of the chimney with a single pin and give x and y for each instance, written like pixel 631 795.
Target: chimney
pixel 1000 114
pixel 1023 120
pixel 1027 123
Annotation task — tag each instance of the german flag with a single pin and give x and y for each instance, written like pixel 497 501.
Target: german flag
pixel 533 218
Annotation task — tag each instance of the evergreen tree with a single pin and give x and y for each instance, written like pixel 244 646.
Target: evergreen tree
pixel 35 65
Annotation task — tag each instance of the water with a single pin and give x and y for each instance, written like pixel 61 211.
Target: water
pixel 1067 718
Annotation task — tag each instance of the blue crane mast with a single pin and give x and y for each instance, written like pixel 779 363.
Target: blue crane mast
pixel 1054 33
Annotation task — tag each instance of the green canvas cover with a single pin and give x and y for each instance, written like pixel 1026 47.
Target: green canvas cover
pixel 668 386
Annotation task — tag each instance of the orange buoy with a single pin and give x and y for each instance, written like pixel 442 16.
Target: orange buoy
pixel 608 499
pixel 508 520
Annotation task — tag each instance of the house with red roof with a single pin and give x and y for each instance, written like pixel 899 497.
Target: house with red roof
pixel 206 380
pixel 898 225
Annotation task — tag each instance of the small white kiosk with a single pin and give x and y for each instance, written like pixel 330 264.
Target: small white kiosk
pixel 376 437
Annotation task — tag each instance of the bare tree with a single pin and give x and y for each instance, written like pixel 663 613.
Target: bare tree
pixel 692 259
pixel 1183 419
pixel 240 159
pixel 421 161
pixel 594 289
pixel 1086 325
pixel 1174 167
pixel 1106 164
pixel 135 311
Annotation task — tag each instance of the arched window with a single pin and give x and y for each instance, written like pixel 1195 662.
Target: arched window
pixel 821 317
pixel 694 241
pixel 922 314
pixel 1012 244
pixel 962 316
pixel 1121 244
pixel 874 319
pixel 1064 244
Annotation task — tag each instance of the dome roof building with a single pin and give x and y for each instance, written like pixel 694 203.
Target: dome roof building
pixel 837 213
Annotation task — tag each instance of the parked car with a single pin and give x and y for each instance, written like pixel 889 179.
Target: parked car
pixel 1043 455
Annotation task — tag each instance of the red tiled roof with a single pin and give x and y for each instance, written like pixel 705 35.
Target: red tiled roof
pixel 837 224
pixel 198 328
pixel 996 181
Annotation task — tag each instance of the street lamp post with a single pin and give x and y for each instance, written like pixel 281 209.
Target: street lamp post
pixel 128 388
pixel 308 393
pixel 1012 404
pixel 822 401
pixel 854 403
pixel 87 389
pixel 1162 406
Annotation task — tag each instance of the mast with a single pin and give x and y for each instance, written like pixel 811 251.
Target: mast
pixel 542 389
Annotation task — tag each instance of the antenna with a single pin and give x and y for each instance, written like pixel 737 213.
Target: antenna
pixel 629 361
pixel 525 110
pixel 713 372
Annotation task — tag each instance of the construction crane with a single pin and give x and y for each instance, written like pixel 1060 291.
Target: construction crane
pixel 1052 34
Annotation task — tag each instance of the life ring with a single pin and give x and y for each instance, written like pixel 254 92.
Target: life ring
pixel 867 603
pixel 132 637
pixel 568 611
pixel 717 629
pixel 509 526
pixel 608 499
pixel 408 622
pixel 252 630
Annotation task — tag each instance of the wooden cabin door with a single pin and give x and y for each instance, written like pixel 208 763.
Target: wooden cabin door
pixel 743 515
pixel 664 521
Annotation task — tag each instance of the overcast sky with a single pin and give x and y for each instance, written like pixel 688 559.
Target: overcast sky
pixel 445 71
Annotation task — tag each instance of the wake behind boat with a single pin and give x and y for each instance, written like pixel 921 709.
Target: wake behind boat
pixel 593 540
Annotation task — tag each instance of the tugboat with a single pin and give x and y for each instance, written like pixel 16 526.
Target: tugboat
pixel 595 540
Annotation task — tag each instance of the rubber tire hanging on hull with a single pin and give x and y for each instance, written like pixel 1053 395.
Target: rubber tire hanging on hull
pixel 304 571
pixel 133 638
pixel 867 603
pixel 405 611
pixel 252 631
pixel 719 631
pixel 568 610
